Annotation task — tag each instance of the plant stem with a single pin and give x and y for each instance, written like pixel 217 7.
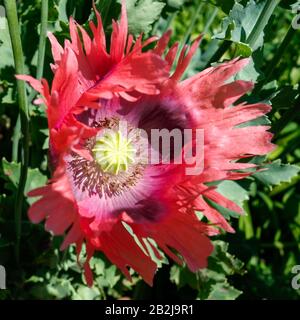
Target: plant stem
pixel 15 140
pixel 262 22
pixel 286 118
pixel 42 45
pixel 276 59
pixel 166 26
pixel 42 42
pixel 39 74
pixel 14 30
pixel 246 224
pixel 189 31
pixel 211 20
pixel 279 53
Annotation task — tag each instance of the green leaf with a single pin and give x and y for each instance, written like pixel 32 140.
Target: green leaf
pixel 59 288
pixel 233 191
pixel 142 14
pixel 243 50
pixel 5 48
pixel 261 121
pixel 35 178
pixel 288 4
pixel 182 277
pixel 34 279
pixel 61 7
pixel 223 291
pixel 249 72
pixel 107 276
pixel 277 173
pixel 211 282
pixel 111 276
pixel 85 293
pixel 176 4
pixel 222 261
pixel 239 24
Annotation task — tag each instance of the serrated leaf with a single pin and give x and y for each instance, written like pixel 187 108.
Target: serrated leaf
pixel 291 4
pixel 223 291
pixel 222 261
pixel 249 72
pixel 61 7
pixel 211 282
pixel 277 173
pixel 59 288
pixel 85 293
pixel 142 14
pixel 239 24
pixel 111 276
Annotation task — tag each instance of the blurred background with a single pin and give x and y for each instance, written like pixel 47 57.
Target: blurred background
pixel 254 263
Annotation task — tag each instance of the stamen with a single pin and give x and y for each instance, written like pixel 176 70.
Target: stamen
pixel 89 176
pixel 116 166
pixel 113 152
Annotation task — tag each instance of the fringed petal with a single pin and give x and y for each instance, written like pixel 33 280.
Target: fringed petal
pixel 119 36
pixel 185 59
pixel 184 233
pixel 56 206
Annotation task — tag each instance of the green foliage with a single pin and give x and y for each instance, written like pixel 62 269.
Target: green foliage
pixel 176 4
pixel 11 173
pixel 239 25
pixel 277 173
pixel 142 14
pixel 233 191
pixel 211 283
pixel 226 6
pixel 268 235
pixel 5 49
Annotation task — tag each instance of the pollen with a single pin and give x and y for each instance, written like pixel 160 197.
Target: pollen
pixel 113 152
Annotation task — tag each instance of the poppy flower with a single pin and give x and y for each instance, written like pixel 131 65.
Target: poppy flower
pixel 104 192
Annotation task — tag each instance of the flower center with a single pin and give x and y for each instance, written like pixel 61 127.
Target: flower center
pixel 118 163
pixel 113 152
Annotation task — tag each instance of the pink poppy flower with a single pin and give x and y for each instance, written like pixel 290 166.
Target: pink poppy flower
pixel 102 186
